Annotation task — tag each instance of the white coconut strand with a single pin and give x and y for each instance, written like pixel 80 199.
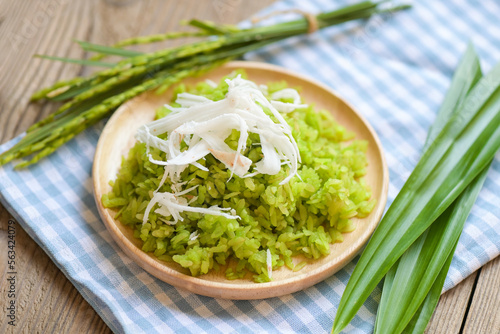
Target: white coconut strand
pixel 203 125
pixel 172 205
pixel 242 109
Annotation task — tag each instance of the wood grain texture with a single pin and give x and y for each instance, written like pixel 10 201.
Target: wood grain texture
pixel 483 316
pixel 48 302
pixel 449 314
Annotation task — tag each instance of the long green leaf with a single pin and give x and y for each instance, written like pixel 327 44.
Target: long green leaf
pixel 152 39
pixel 108 50
pixel 421 264
pixel 461 151
pixel 208 27
pixel 466 76
pixel 421 318
pixel 441 244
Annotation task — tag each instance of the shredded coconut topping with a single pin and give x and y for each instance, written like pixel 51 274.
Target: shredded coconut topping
pixel 203 125
pixel 193 236
pixel 173 204
pixel 269 262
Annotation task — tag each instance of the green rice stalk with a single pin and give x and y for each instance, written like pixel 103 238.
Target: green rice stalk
pixel 77 124
pixel 465 146
pixel 36 134
pixel 109 50
pixel 137 69
pixel 135 72
pixel 147 63
pixel 211 28
pixel 91 90
pixel 282 29
pixel 47 133
pixel 69 92
pixel 49 148
pixel 152 39
pixel 62 85
pixel 159 38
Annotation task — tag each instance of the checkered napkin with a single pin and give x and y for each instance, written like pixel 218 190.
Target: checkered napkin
pixel 394 69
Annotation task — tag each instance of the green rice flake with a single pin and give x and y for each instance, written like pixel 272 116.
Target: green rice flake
pixel 302 217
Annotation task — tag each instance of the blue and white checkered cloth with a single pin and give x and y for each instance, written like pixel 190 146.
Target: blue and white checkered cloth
pixel 394 69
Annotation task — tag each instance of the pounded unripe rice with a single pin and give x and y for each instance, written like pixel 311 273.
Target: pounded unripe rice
pixel 303 216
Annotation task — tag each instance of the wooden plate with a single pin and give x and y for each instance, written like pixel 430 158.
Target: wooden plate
pixel 118 137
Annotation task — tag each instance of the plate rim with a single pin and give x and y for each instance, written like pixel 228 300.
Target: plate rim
pixel 209 288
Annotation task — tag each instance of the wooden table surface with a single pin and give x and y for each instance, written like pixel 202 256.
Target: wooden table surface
pixel 47 302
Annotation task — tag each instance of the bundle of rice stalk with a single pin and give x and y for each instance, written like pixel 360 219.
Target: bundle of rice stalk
pixel 92 98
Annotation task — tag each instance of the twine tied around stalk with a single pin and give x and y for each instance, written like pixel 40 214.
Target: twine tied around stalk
pixel 311 18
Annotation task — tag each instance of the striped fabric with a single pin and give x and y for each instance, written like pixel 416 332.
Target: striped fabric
pixel 394 69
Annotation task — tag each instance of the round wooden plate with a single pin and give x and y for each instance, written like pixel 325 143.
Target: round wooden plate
pixel 118 137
